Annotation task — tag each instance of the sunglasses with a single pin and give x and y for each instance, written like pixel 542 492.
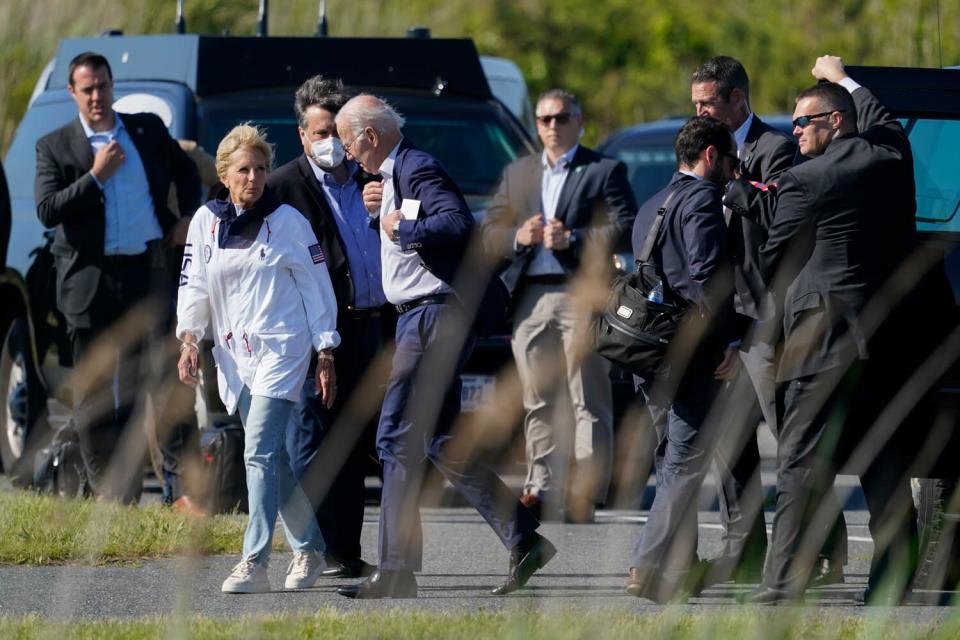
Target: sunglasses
pixel 803 121
pixel 560 118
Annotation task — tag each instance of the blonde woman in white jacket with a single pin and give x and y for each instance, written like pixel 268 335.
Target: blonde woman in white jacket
pixel 254 273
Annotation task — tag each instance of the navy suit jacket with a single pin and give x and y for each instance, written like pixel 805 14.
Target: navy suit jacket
pixel 691 247
pixel 441 233
pixel 692 256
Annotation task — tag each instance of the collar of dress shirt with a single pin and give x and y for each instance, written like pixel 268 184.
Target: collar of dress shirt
pixel 740 135
pixel 112 133
pixel 562 162
pixel 386 169
pixel 326 177
pixel 690 173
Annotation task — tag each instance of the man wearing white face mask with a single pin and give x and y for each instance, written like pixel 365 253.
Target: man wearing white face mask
pixel 327 189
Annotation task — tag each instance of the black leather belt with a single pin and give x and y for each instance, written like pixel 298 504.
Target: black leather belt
pixel 547 278
pixel 439 298
pixel 363 314
pixel 123 261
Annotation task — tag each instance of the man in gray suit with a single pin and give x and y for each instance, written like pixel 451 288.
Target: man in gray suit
pixel 720 87
pixel 550 213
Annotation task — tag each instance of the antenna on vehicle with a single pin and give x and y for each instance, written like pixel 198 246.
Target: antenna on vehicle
pixel 322 20
pixel 939 36
pixel 180 24
pixel 262 19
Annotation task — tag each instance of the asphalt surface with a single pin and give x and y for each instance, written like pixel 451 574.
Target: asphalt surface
pixel 463 560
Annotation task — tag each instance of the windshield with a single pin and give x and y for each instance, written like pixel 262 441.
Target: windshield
pixel 936 167
pixel 473 140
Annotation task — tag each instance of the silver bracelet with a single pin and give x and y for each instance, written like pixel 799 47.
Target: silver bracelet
pixel 189 345
pixel 324 356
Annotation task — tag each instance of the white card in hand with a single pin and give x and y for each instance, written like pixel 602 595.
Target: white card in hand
pixel 410 208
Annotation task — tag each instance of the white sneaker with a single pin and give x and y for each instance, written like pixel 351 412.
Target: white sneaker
pixel 304 570
pixel 247 577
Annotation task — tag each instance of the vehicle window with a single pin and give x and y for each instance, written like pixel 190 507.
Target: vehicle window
pixel 937 171
pixel 649 169
pixel 471 144
pixel 474 151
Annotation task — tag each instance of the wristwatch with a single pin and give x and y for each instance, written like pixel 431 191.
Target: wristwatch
pixel 395 232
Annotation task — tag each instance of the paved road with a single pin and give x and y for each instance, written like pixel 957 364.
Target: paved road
pixel 464 560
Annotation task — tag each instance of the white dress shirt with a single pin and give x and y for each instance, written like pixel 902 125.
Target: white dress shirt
pixel 404 277
pixel 740 135
pixel 543 261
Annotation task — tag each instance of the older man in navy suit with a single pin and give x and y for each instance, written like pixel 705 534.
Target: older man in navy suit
pixel 425 227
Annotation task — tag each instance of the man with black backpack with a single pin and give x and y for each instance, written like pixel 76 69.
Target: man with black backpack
pixel 690 257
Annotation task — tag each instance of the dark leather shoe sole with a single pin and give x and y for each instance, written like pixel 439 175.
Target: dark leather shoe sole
pixel 363 591
pixel 827 579
pixel 534 560
pixel 355 569
pixel 767 596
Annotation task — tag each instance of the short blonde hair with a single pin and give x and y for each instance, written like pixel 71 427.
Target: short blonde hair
pixel 243 136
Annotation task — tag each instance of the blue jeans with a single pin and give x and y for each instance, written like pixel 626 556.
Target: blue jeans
pixel 271 486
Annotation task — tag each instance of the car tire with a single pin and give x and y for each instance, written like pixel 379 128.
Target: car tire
pixel 23 428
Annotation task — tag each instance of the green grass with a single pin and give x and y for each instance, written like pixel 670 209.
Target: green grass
pixel 41 530
pixel 399 625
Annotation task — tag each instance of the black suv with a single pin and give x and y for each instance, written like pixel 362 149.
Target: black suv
pixel 202 86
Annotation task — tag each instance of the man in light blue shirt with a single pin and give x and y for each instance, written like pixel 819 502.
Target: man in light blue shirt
pixel 103 182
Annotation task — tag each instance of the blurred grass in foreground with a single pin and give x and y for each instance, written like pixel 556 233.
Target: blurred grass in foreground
pixel 40 530
pixel 397 624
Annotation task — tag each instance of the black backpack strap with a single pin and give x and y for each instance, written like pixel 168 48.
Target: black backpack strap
pixel 655 229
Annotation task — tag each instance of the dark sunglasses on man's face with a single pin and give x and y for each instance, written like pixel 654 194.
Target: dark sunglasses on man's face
pixel 560 118
pixel 803 121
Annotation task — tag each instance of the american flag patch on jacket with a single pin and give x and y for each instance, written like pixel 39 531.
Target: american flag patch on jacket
pixel 316 253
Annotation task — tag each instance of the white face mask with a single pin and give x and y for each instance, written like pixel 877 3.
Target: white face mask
pixel 328 153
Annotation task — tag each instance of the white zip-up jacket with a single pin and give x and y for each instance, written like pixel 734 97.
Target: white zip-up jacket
pixel 267 297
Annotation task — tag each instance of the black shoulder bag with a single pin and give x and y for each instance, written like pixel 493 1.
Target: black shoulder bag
pixel 634 328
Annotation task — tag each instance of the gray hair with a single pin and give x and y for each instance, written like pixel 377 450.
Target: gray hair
pixel 319 92
pixel 567 97
pixel 366 110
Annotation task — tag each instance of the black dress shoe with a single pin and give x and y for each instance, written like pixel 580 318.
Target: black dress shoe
pixel 383 584
pixel 526 559
pixel 353 568
pixel 826 573
pixel 768 596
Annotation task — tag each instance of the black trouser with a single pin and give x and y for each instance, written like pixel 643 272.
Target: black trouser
pixel 330 449
pixel 108 346
pixel 825 418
